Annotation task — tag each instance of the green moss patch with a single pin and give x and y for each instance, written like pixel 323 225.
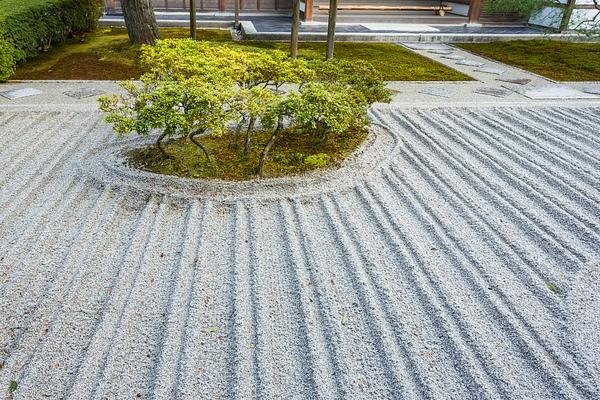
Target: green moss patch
pixel 561 61
pixel 106 54
pixel 295 152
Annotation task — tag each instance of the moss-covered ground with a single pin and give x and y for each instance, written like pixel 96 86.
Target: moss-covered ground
pixel 295 152
pixel 561 61
pixel 106 54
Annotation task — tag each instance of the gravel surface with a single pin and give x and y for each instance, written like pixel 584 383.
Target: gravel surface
pixel 456 256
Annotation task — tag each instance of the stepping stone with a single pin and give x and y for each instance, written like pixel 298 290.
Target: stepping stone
pixel 492 92
pixel 18 93
pixel 551 92
pixel 471 63
pixel 438 92
pixel 491 70
pixel 457 57
pixel 442 52
pixel 426 46
pixel 82 93
pixel 512 79
pixel 592 90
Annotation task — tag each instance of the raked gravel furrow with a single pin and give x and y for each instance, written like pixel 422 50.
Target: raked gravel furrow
pixel 450 267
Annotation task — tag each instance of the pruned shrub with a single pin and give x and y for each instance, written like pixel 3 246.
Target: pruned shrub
pixel 28 27
pixel 196 89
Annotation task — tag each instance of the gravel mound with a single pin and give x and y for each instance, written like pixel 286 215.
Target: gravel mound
pixel 455 256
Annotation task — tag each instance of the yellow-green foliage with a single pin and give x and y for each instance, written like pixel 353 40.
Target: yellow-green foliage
pixel 195 88
pixel 28 26
pixel 319 160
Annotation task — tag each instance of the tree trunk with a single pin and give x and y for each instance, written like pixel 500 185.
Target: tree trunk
pixel 193 19
pixel 192 136
pixel 160 146
pixel 140 21
pixel 249 135
pixel 265 152
pixel 331 21
pixel 295 28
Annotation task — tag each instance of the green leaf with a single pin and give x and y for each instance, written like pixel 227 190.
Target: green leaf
pixel 553 288
pixel 212 329
pixel 12 387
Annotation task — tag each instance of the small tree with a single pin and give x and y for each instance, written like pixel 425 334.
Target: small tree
pixel 319 108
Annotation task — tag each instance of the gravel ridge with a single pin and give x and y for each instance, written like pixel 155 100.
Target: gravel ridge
pixel 455 255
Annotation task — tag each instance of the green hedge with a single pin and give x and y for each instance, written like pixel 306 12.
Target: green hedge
pixel 28 26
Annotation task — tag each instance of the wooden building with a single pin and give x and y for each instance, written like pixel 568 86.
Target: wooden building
pixel 408 11
pixel 438 12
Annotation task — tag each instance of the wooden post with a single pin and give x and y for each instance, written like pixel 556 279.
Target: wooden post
pixel 331 20
pixel 475 7
pixel 193 19
pixel 236 23
pixel 568 13
pixel 295 28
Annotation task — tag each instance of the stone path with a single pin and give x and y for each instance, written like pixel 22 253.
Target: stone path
pixel 494 81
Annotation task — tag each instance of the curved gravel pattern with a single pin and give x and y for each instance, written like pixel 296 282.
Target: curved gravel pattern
pixel 455 257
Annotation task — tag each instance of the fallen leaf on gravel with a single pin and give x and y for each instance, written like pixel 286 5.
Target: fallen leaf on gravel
pixel 212 329
pixel 12 387
pixel 552 287
pixel 344 319
pixel 91 313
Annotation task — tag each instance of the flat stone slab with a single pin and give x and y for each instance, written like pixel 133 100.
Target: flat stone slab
pixel 457 57
pixel 443 52
pixel 491 70
pixel 426 46
pixel 382 26
pixel 493 92
pixel 592 90
pixel 82 93
pixel 515 80
pixel 438 92
pixel 551 92
pixel 19 93
pixel 471 63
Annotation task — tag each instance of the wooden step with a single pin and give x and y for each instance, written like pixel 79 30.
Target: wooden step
pixel 439 10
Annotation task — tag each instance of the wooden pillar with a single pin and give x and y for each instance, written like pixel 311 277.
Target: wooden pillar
pixel 475 7
pixel 307 14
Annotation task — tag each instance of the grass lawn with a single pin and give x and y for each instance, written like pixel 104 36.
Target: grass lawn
pixel 561 61
pixel 106 54
pixel 294 152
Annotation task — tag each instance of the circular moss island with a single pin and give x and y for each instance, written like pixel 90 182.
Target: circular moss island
pixel 295 152
pixel 231 115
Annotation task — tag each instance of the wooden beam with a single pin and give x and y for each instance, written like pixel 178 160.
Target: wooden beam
pixel 475 8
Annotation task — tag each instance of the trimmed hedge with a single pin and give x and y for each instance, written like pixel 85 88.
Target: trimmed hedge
pixel 30 26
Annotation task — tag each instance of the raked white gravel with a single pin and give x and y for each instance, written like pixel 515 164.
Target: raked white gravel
pixel 455 256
